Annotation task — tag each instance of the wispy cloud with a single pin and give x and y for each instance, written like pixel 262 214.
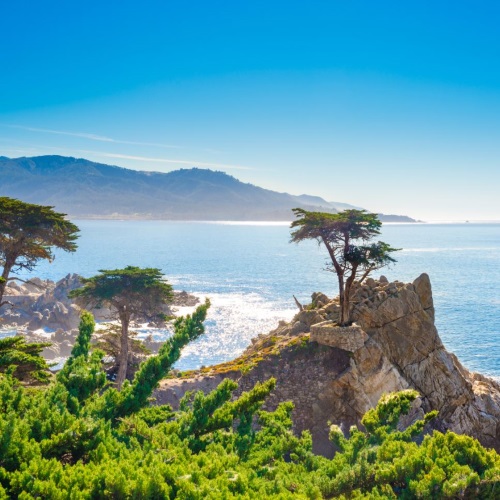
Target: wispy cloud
pixel 92 137
pixel 41 150
pixel 192 163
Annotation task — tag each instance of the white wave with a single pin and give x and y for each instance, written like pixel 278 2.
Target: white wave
pixel 232 321
pixel 449 249
pixel 249 223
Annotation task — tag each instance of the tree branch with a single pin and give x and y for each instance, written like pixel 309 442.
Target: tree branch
pixel 366 273
pixel 331 252
pixel 299 305
pixel 29 282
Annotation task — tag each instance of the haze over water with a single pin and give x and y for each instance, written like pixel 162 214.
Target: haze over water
pixel 250 272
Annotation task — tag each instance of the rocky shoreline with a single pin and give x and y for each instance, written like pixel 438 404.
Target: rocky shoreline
pixel 41 311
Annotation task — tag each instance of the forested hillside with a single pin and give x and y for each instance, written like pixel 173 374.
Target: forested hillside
pixel 82 188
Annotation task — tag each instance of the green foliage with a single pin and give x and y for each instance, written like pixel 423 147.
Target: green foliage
pixel 82 374
pixel 81 346
pixel 23 360
pixel 141 290
pixel 136 395
pixel 384 418
pixel 28 233
pixel 205 416
pixel 358 224
pixel 109 341
pixel 384 462
pixel 78 438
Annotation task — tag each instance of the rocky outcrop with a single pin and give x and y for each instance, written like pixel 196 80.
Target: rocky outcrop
pixel 41 304
pixel 333 378
pixel 45 304
pixel 61 343
pixel 402 324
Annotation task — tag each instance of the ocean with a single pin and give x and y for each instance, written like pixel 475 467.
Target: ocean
pixel 250 272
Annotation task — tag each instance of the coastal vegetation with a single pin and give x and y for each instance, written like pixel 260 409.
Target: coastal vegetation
pixel 23 360
pixel 28 234
pixel 345 236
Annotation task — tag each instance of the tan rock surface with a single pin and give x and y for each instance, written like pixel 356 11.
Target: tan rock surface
pixel 348 338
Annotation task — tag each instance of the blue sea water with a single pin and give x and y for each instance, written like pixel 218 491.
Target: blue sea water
pixel 250 272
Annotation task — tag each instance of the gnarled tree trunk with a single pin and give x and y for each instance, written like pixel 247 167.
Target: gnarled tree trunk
pixel 344 301
pixel 3 282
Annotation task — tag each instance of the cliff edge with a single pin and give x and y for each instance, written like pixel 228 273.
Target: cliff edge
pixel 335 374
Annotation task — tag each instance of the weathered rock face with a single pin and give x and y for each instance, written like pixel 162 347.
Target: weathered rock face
pixel 403 325
pixel 348 338
pixel 395 346
pixel 61 343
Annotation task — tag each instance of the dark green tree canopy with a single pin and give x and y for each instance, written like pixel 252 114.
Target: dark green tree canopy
pixel 350 224
pixel 28 233
pixel 346 236
pixel 130 293
pixel 138 290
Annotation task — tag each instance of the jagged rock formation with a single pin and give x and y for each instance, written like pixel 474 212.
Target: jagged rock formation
pixel 395 346
pixel 400 319
pixel 41 304
pixel 45 304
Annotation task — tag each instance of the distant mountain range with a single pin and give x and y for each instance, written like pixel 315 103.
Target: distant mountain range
pixel 85 189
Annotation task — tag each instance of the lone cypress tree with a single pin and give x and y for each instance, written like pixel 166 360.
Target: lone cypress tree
pixel 345 236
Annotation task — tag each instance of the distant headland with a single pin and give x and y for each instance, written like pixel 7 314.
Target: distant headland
pixel 88 190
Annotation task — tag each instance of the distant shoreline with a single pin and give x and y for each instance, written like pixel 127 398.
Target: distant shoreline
pixel 264 222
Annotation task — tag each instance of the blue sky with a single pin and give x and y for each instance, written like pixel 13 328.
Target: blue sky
pixel 394 106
